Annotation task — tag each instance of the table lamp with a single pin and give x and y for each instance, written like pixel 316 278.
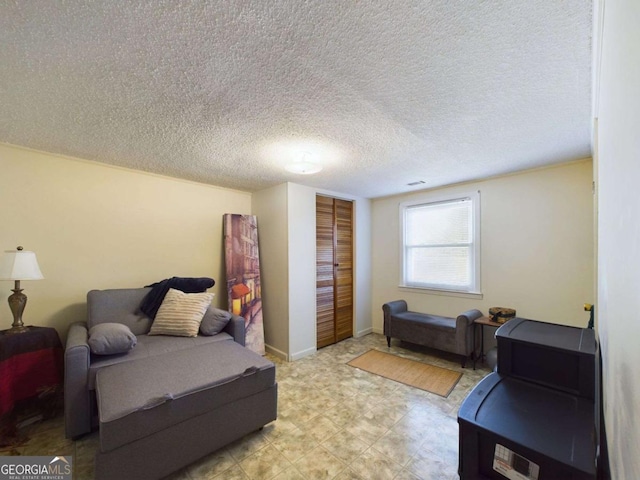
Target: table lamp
pixel 18 265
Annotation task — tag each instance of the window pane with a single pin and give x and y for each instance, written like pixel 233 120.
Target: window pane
pixel 438 224
pixel 445 266
pixel 440 243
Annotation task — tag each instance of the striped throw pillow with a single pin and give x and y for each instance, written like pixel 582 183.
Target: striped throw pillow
pixel 181 313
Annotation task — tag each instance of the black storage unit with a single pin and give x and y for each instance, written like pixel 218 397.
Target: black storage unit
pixel 535 418
pixel 557 356
pixel 533 429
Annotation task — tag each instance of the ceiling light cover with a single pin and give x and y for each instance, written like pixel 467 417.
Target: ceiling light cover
pixel 303 168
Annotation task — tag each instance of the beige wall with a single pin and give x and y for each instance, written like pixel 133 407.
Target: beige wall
pixel 270 207
pixel 287 223
pixel 94 226
pixel 362 261
pixel 302 266
pixel 301 208
pixel 536 247
pixel 618 176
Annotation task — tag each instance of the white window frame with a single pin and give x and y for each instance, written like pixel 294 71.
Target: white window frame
pixel 474 289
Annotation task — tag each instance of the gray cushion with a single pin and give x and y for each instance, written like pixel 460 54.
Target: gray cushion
pixel 111 338
pixel 214 321
pixel 120 305
pixel 138 399
pixel 150 346
pixel 435 322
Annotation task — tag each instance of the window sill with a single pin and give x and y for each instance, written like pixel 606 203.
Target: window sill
pixel 446 293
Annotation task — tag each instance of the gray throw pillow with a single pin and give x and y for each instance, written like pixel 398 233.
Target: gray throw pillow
pixel 214 321
pixel 111 338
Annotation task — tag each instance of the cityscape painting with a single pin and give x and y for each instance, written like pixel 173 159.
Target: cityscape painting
pixel 242 262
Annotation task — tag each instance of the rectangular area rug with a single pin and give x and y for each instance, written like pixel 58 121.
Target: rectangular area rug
pixel 430 378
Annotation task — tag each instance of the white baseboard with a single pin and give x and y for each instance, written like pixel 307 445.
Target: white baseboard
pixel 378 330
pixel 302 354
pixel 293 356
pixel 364 332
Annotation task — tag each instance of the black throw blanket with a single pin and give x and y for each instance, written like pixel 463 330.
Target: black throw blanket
pixel 151 303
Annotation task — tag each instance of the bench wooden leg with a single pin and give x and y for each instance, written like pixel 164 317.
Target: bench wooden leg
pixel 389 342
pixel 464 361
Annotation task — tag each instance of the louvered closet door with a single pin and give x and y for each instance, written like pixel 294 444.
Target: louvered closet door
pixel 325 306
pixel 343 273
pixel 334 270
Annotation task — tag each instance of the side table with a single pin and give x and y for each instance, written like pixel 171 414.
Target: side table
pixel 481 322
pixel 31 366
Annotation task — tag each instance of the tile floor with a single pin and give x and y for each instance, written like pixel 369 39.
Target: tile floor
pixel 334 421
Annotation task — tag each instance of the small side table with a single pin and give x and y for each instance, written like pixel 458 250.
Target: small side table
pixel 31 365
pixel 481 322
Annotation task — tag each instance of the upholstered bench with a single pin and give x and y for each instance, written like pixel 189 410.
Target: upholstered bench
pixel 161 413
pixel 454 335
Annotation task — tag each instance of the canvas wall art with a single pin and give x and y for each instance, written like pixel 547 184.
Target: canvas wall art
pixel 242 262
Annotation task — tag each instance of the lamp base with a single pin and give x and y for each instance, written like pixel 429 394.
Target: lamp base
pixel 17 302
pixel 17 329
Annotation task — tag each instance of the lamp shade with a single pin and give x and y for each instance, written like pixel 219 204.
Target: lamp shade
pixel 19 265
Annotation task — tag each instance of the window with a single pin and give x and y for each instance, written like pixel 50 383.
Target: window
pixel 441 244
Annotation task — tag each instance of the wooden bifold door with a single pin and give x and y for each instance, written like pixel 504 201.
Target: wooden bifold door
pixel 334 270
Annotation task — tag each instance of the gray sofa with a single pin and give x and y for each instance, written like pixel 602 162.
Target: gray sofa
pixel 169 400
pixel 453 335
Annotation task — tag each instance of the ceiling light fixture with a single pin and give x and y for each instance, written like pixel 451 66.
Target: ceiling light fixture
pixel 304 166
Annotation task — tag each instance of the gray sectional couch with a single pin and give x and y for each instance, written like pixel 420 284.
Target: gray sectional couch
pixel 169 400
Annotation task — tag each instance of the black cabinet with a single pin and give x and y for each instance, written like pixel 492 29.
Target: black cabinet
pixel 525 422
pixel 557 356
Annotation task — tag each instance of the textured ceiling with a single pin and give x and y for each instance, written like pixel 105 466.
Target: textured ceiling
pixel 227 92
